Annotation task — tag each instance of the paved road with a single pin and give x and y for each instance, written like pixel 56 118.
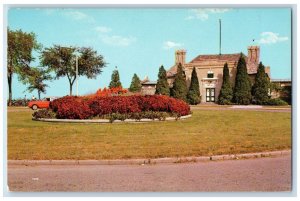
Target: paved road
pixel 264 174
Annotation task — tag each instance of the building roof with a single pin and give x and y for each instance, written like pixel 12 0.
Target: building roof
pixel 217 57
pixel 149 83
pixel 204 58
pixel 172 71
pixel 146 81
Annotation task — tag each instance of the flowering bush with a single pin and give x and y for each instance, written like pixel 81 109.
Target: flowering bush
pixel 71 107
pixel 108 92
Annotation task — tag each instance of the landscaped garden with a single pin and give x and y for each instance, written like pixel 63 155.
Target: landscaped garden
pixel 115 107
pixel 207 132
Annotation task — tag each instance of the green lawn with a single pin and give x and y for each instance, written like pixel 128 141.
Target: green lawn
pixel 205 133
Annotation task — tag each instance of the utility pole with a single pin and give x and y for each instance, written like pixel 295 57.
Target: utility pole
pixel 220 39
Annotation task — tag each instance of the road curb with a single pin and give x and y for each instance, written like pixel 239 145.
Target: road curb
pixel 152 161
pixel 106 121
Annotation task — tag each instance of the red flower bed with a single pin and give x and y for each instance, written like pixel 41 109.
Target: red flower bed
pixel 70 107
pixel 116 91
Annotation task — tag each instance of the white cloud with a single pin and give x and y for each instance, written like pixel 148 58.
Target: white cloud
pixel 103 29
pixel 170 44
pixel 49 11
pixel 77 15
pixel 203 13
pixel 116 40
pixel 113 40
pixel 271 38
pixel 189 17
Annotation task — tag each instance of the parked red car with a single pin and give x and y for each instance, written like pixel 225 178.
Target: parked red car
pixel 39 104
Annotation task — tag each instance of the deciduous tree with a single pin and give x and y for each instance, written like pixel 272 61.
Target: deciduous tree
pixel 62 61
pixel 36 80
pixel 20 46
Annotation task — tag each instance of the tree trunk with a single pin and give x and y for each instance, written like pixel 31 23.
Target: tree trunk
pixel 39 94
pixel 9 78
pixel 71 86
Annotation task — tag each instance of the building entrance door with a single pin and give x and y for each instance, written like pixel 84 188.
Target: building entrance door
pixel 210 94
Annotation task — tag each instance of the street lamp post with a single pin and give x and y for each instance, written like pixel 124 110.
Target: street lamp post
pixel 77 75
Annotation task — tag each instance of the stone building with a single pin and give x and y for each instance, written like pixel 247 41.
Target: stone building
pixel 209 69
pixel 148 87
pixel 282 90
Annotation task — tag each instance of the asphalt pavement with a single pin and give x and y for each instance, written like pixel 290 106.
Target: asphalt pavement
pixel 254 175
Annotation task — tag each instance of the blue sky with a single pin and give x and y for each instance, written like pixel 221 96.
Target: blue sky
pixel 140 40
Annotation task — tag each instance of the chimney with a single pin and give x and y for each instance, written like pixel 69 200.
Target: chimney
pixel 253 59
pixel 180 56
pixel 253 54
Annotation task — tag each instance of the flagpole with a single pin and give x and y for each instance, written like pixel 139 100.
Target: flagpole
pixel 220 36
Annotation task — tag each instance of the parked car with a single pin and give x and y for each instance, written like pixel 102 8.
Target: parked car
pixel 40 104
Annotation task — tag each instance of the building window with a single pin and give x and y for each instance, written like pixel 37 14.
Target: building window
pixel 210 74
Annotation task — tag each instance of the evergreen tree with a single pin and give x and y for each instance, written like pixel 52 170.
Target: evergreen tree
pixel 179 89
pixel 261 86
pixel 193 96
pixel 226 92
pixel 135 85
pixel 162 86
pixel 115 80
pixel 242 88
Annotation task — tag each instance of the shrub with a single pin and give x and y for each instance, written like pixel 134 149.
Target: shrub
pixel 137 116
pixel 45 113
pixel 19 102
pixel 71 107
pixel 117 116
pixel 276 101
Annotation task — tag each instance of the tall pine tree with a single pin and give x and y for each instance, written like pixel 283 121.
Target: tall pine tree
pixel 162 86
pixel 135 85
pixel 226 93
pixel 115 80
pixel 193 96
pixel 261 86
pixel 179 89
pixel 242 88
